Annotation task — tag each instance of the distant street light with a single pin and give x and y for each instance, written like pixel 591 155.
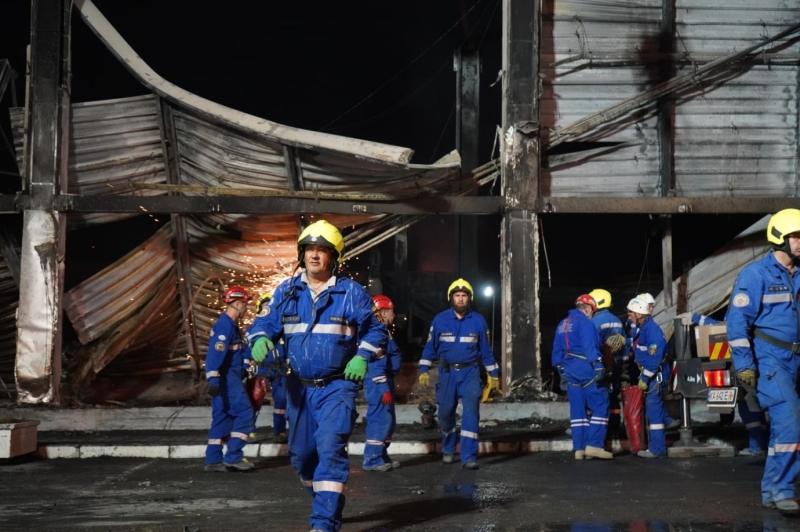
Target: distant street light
pixel 489 292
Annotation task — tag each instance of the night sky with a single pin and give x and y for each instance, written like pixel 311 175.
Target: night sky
pixel 306 64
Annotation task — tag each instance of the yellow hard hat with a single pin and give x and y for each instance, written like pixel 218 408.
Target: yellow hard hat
pixel 460 285
pixel 783 223
pixel 601 297
pixel 321 233
pixel 262 300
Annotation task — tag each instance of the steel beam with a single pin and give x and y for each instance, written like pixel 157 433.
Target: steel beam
pixel 708 205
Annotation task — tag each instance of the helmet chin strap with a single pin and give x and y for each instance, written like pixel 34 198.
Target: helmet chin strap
pixel 786 248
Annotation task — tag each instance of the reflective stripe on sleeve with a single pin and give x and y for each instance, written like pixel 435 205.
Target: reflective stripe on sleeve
pixel 648 373
pixel 424 362
pixel 741 342
pixel 379 379
pixel 785 297
pixel 469 434
pixel 492 367
pixel 328 485
pixel 210 374
pixel 369 347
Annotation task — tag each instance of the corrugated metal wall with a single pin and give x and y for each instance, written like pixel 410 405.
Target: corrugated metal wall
pixel 736 136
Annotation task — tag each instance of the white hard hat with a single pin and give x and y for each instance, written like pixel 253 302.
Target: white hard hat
pixel 647 298
pixel 639 306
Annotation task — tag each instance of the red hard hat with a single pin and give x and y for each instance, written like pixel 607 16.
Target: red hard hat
pixel 586 299
pixel 235 293
pixel 382 301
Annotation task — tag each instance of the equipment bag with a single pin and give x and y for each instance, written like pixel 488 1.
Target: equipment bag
pixel 633 412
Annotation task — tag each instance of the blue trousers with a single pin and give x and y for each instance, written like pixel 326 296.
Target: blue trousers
pixel 455 384
pixel 231 421
pixel 381 422
pixel 777 393
pixel 587 431
pixel 278 385
pixel 320 423
pixel 657 418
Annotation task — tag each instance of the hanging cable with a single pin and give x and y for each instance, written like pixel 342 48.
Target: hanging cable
pixel 397 74
pixel 546 259
pixel 646 252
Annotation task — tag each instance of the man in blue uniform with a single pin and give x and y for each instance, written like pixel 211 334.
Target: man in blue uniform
pixel 650 351
pixel 749 410
pixel 458 341
pixel 231 411
pixel 379 392
pixel 576 356
pixel 613 349
pixel 330 334
pixel 764 337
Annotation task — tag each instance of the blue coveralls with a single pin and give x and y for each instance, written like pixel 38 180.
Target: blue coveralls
pixel 381 419
pixel 231 411
pixel 576 354
pixel 764 301
pixel 608 325
pixel 459 345
pixel 322 332
pixel 651 355
pixel 749 410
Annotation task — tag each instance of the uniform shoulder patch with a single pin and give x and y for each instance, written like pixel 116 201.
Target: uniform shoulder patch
pixel 265 310
pixel 653 348
pixel 741 300
pixel 219 346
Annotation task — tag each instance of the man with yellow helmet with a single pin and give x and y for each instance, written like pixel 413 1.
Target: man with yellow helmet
pixel 330 334
pixel 612 345
pixel 458 341
pixel 764 337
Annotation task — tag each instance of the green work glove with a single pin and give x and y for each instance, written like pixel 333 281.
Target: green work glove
pixel 260 349
pixel 643 385
pixel 748 377
pixel 355 369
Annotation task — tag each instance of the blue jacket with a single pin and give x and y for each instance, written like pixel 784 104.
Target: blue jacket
pixel 607 325
pixel 700 319
pixel 764 297
pixel 225 350
pixel 651 349
pixel 321 336
pixel 380 371
pixel 455 340
pixel 576 348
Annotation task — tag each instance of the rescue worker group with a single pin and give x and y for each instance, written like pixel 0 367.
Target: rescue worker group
pixel 319 337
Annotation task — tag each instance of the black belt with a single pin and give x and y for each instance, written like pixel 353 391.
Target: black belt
pixel 446 366
pixel 794 347
pixel 321 383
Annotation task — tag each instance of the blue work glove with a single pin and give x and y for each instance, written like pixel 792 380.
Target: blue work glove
pixel 213 386
pixel 355 369
pixel 260 349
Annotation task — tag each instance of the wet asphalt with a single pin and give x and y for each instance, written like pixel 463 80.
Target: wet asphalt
pixel 540 491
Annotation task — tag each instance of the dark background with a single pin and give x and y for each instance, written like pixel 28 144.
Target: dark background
pixel 370 70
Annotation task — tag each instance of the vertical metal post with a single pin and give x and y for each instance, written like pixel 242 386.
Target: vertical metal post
pixel 401 273
pixel 39 319
pixel 467 64
pixel 521 356
pixel 666 45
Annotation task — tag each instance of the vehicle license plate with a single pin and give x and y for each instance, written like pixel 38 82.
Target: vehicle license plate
pixel 722 396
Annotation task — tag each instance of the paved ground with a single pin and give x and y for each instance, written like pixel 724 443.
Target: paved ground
pixel 540 491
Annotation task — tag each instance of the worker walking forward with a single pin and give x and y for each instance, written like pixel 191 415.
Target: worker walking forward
pixel 231 410
pixel 576 356
pixel 379 392
pixel 458 341
pixel 764 336
pixel 330 334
